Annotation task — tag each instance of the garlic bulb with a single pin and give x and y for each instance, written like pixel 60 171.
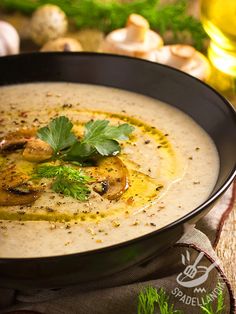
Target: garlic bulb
pixel 9 39
pixel 48 22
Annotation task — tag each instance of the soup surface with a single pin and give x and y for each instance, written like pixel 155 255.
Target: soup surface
pixel 167 167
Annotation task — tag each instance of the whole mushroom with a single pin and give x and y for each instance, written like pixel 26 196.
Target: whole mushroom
pixel 183 57
pixel 9 39
pixel 62 44
pixel 136 39
pixel 47 23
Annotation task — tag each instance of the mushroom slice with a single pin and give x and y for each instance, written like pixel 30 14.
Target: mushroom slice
pixel 16 189
pixel 37 150
pixel 9 198
pixel 112 175
pixel 16 140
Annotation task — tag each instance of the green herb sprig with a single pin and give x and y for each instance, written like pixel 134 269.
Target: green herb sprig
pixel 150 297
pixel 58 134
pixel 100 138
pixel 208 307
pixel 110 15
pixel 68 180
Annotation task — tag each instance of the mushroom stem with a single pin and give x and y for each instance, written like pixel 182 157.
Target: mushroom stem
pixel 137 27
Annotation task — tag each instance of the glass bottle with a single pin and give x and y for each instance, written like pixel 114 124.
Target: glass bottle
pixel 219 21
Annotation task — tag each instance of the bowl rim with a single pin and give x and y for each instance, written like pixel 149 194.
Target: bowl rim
pixel 180 221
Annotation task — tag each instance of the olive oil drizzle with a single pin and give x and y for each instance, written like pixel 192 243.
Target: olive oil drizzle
pixel 169 172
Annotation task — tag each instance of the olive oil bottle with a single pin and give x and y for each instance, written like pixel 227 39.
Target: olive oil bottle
pixel 219 21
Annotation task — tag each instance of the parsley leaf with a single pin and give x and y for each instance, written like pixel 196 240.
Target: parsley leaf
pixel 58 134
pixel 101 138
pixel 68 180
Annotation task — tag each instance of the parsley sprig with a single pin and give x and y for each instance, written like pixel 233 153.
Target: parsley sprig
pixel 99 138
pixel 68 180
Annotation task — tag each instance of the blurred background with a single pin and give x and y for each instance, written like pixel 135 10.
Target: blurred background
pixel 75 25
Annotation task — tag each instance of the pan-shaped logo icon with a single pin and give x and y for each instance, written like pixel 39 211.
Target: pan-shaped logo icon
pixel 194 275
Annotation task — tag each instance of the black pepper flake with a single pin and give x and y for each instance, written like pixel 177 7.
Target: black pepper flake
pixel 147 142
pixel 21 212
pixel 49 209
pixel 153 224
pixel 67 106
pixel 159 146
pixel 197 148
pixel 190 158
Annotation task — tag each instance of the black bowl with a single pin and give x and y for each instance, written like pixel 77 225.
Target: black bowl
pixel 202 103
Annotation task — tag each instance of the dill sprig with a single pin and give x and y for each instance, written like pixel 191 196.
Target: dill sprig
pixel 150 298
pixel 207 308
pixel 75 189
pixel 110 15
pixel 68 180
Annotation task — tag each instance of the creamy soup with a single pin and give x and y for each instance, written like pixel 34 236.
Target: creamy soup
pixel 167 167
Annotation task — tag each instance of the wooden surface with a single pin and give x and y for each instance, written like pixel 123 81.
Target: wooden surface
pixel 226 248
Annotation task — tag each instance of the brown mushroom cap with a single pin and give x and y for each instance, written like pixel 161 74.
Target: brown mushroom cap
pixel 15 188
pixel 183 57
pixel 112 174
pixel 136 39
pixel 17 139
pixel 62 44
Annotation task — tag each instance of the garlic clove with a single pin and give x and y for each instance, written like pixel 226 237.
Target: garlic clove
pixel 9 39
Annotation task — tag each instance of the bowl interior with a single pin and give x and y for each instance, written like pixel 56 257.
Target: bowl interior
pixel 202 103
